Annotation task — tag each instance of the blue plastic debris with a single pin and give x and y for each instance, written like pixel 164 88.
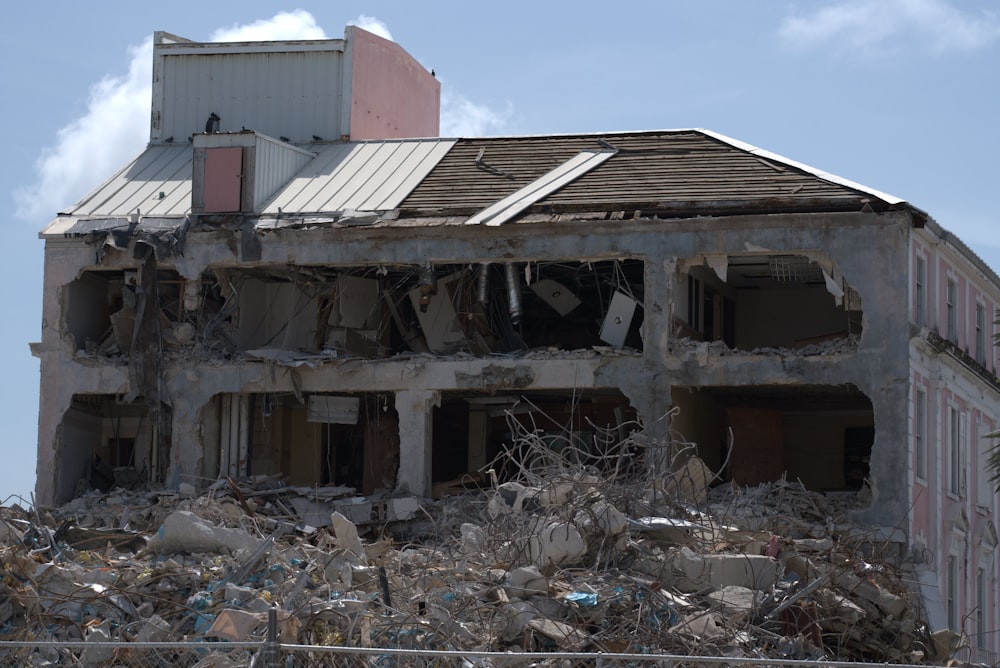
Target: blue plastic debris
pixel 582 598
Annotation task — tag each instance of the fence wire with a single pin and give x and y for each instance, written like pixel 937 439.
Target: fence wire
pixel 271 654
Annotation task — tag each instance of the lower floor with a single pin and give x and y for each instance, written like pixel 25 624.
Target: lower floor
pixel 351 427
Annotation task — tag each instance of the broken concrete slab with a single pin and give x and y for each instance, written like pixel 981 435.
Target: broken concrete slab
pixel 183 531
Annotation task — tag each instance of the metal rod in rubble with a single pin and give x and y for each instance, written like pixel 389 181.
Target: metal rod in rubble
pixel 272 651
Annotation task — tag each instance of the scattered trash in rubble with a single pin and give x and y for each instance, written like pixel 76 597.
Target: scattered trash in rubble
pixel 560 557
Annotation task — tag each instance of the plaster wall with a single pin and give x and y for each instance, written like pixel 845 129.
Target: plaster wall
pixel 392 95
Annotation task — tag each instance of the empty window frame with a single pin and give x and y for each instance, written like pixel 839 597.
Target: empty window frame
pixel 956 438
pixel 951 305
pixel 981 608
pixel 951 592
pixel 980 333
pixel 919 431
pixel 920 296
pixel 982 444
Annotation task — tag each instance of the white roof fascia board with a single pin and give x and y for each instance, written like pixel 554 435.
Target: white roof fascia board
pixel 237 48
pixel 826 176
pixel 502 211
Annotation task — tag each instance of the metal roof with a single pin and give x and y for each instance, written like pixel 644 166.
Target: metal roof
pixel 157 182
pixel 363 176
pixel 494 179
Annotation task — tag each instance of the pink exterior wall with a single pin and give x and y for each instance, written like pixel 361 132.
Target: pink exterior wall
pixel 392 95
pixel 958 525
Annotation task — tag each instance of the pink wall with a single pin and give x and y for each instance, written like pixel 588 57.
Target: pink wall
pixel 392 95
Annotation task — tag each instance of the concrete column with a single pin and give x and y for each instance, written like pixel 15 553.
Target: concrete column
pixel 188 443
pixel 415 440
pixel 56 398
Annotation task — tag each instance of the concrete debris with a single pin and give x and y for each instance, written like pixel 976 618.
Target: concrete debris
pixel 571 558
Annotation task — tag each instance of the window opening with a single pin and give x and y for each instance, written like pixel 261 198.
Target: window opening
pixel 980 333
pixel 950 299
pixel 956 432
pixel 919 446
pixel 920 315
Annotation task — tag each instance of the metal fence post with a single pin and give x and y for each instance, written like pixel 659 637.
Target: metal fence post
pixel 272 652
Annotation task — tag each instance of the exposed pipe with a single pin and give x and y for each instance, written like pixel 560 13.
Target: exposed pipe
pixel 513 293
pixel 483 284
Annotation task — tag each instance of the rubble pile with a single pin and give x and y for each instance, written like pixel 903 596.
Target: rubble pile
pixel 558 552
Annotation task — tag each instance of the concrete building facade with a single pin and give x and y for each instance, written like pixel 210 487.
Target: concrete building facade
pixel 367 304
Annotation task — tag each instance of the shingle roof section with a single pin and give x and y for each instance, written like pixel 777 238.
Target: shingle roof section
pixel 671 170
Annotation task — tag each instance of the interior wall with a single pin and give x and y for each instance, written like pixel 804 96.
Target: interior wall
pixel 276 315
pixel 787 317
pixel 87 308
pixel 211 438
pixel 381 456
pixel 814 447
pixel 770 441
pixel 470 431
pixel 303 451
pixel 80 434
pixel 701 420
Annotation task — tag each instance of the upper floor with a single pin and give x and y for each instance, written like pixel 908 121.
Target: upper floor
pixel 954 297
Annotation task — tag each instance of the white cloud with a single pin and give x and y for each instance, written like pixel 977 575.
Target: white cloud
pixel 374 26
pixel 115 126
pixel 113 129
pixel 877 26
pixel 297 24
pixel 461 117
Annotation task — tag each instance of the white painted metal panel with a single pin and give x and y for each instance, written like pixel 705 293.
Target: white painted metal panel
pixel 419 162
pixel 363 176
pixel 274 163
pixel 618 320
pixel 515 203
pixel 362 165
pixel 165 169
pixel 295 95
pixel 310 180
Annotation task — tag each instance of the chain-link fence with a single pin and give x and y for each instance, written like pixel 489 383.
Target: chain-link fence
pixel 272 654
pixel 133 654
pixel 276 655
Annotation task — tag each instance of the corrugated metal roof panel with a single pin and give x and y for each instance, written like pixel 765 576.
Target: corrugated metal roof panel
pixel 295 95
pixel 363 176
pixel 159 169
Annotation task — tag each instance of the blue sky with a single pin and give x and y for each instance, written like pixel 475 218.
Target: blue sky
pixel 900 95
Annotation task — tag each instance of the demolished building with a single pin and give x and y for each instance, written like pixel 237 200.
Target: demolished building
pixel 330 292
